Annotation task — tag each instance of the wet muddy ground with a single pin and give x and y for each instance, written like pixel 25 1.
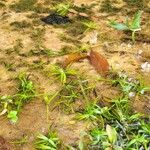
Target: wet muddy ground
pixel 24 45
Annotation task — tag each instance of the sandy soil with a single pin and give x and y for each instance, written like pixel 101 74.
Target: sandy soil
pixel 16 44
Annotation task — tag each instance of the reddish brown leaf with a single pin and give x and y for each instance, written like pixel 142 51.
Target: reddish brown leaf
pixel 71 58
pixel 99 62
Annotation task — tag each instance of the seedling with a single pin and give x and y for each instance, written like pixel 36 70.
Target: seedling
pixel 94 112
pixel 12 115
pixel 62 74
pixel 69 93
pixel 105 139
pixel 48 99
pixel 5 102
pixel 62 9
pixel 134 134
pixel 11 105
pixel 128 85
pixel 50 141
pixel 133 26
pixel 26 91
pixel 90 25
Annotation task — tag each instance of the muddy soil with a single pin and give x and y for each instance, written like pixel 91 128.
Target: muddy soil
pixel 23 39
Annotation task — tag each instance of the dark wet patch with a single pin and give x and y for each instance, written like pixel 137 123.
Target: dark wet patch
pixel 56 19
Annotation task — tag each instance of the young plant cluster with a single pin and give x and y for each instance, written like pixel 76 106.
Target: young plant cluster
pixel 12 104
pixel 118 127
pixel 45 142
pixel 72 88
pixel 133 26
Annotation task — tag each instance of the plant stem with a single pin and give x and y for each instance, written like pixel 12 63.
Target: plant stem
pixel 83 91
pixel 48 102
pixel 133 36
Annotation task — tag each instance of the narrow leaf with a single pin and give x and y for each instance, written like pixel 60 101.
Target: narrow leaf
pixel 112 134
pixel 118 26
pixel 136 21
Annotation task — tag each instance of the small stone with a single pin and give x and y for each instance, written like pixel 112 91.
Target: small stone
pixel 93 38
pixel 132 94
pixel 145 67
pixel 140 52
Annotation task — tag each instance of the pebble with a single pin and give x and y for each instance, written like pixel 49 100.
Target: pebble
pixel 145 67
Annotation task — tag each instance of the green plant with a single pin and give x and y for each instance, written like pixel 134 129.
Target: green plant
pixel 97 136
pixel 50 141
pixel 121 130
pixel 105 139
pixel 137 141
pixel 90 25
pixel 26 91
pixel 131 85
pixel 132 26
pixel 61 73
pixel 48 99
pixel 128 85
pixel 94 112
pixel 12 115
pixel 74 89
pixel 11 105
pixel 5 102
pixel 62 9
pixel 69 93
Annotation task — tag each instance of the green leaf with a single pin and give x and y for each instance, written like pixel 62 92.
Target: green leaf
pixel 135 25
pixel 118 26
pixel 40 136
pixel 12 115
pixel 112 134
pixel 52 143
pixel 81 145
pixel 62 9
pixel 44 147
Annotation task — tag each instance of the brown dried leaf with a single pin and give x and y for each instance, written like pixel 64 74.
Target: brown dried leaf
pixel 71 58
pixel 99 62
